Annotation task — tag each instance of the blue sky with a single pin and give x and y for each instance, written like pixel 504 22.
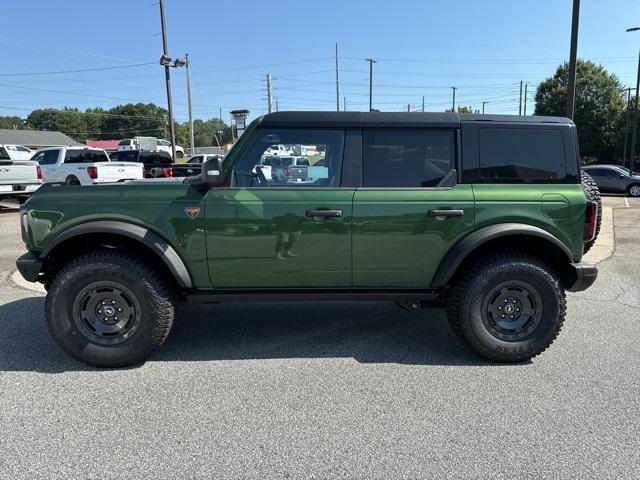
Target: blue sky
pixel 484 48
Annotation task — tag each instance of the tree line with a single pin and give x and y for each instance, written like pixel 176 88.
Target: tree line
pixel 602 117
pixel 121 121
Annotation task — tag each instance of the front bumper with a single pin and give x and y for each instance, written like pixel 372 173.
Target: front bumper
pixel 29 267
pixel 583 276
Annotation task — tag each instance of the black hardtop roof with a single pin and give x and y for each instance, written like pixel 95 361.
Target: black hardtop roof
pixel 394 119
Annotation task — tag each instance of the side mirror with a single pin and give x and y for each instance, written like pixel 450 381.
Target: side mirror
pixel 212 172
pixel 622 176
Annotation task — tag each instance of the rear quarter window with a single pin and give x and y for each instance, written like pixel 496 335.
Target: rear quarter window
pixel 521 154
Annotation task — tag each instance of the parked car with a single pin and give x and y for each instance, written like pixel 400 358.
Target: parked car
pixel 615 179
pixel 278 150
pixel 15 152
pixel 18 177
pixel 165 146
pixel 191 167
pixel 156 163
pixel 281 166
pixel 138 143
pixel 83 166
pixel 484 215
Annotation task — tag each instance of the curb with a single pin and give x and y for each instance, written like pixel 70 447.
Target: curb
pixel 22 283
pixel 605 245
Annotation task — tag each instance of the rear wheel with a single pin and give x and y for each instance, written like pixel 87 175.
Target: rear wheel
pixel 508 307
pixel 72 180
pixel 592 193
pixel 634 190
pixel 109 309
pixel 179 154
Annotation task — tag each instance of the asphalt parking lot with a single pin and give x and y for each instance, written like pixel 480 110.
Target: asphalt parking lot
pixel 349 390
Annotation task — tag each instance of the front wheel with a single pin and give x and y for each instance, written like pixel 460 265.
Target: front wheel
pixel 634 190
pixel 179 154
pixel 508 307
pixel 109 309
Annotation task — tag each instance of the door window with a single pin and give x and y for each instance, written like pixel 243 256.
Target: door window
pixel 85 156
pixel 48 157
pixel 322 169
pixel 406 159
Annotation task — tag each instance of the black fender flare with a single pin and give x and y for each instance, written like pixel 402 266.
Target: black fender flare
pixel 461 250
pixel 148 238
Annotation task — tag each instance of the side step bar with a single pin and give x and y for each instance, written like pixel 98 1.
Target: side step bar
pixel 302 295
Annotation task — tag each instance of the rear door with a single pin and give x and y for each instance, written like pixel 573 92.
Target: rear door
pixel 48 161
pixel 403 221
pixel 271 233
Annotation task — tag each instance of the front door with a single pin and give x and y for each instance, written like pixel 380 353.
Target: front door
pixel 267 231
pixel 403 223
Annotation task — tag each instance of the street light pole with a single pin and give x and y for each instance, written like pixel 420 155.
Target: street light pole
pixel 188 67
pixel 632 154
pixel 483 104
pixel 453 107
pixel 371 62
pixel 167 77
pixel 337 82
pixel 571 86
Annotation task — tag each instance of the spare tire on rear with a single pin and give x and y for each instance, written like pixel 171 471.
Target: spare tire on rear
pixel 592 193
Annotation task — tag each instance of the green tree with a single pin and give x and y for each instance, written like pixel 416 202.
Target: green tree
pixel 599 107
pixel 131 120
pixel 69 121
pixel 12 123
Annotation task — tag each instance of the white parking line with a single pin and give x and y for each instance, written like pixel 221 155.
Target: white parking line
pixel 626 201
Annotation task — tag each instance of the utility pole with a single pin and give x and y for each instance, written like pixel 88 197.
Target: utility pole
pixel 269 98
pixel 371 62
pixel 188 66
pixel 220 113
pixel 423 103
pixel 453 107
pixel 167 77
pixel 626 130
pixel 344 104
pixel 520 104
pixel 276 105
pixel 632 155
pixel 571 87
pixel 525 98
pixel 408 107
pixel 337 82
pixel 483 104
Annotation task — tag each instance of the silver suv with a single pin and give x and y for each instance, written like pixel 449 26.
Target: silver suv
pixel 614 178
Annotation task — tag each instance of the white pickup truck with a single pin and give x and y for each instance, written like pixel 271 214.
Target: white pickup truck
pixel 84 166
pixel 18 175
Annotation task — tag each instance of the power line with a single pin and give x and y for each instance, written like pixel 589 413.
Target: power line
pixel 115 67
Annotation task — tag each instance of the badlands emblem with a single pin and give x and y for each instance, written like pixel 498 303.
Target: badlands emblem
pixel 192 212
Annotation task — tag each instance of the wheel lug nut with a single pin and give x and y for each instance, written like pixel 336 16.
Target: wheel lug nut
pixel 499 308
pixel 511 316
pixel 503 316
pixel 99 311
pixel 103 303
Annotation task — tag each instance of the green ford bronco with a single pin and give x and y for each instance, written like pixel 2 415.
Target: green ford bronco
pixel 486 216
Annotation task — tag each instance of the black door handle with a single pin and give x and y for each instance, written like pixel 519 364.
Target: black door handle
pixel 445 213
pixel 323 212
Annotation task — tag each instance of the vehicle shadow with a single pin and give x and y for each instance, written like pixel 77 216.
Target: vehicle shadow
pixel 369 332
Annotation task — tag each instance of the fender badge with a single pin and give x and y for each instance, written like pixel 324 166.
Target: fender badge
pixel 192 212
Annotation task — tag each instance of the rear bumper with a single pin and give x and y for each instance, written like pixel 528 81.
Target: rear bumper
pixel 29 267
pixel 583 278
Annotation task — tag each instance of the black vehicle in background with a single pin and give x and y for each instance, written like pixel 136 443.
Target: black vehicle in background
pixel 157 164
pixel 191 167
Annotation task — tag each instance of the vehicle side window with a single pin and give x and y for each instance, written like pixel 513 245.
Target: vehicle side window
pixel 3 154
pixel 196 159
pixel 329 145
pixel 406 159
pixel 594 172
pixel 48 157
pixel 521 154
pixel 85 156
pixel 20 148
pixel 610 172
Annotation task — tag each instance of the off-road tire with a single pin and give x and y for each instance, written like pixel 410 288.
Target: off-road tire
pixel 592 193
pixel 470 292
pixel 179 154
pixel 151 297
